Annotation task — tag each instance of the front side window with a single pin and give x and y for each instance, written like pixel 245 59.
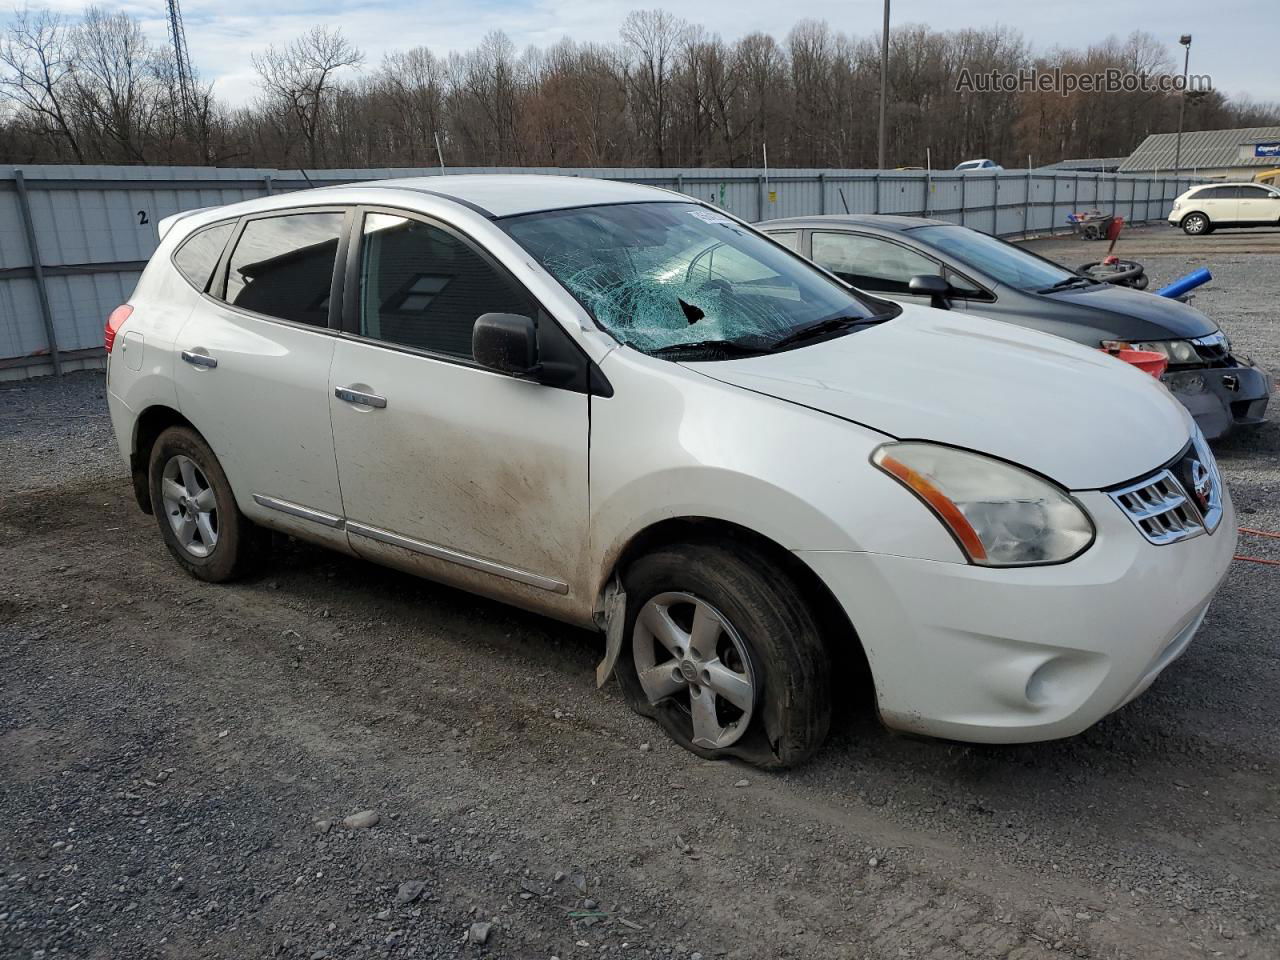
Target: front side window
pixel 1003 261
pixel 870 262
pixel 423 287
pixel 200 253
pixel 788 238
pixel 282 267
pixel 665 276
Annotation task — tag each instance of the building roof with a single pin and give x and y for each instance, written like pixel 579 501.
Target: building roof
pixel 1201 149
pixel 1088 165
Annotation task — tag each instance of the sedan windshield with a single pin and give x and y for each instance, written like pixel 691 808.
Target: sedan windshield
pixel 675 278
pixel 1002 261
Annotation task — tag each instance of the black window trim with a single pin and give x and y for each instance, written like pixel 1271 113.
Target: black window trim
pixel 217 291
pixel 233 223
pixel 987 295
pixel 347 325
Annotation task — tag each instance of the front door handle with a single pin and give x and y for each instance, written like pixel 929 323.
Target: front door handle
pixel 199 359
pixel 359 397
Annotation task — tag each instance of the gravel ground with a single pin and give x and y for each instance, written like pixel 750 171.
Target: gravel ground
pixel 176 761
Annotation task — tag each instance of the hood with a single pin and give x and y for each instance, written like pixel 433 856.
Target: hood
pixel 1069 412
pixel 1138 315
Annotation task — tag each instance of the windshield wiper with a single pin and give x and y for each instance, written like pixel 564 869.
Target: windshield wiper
pixel 1065 282
pixel 829 325
pixel 739 348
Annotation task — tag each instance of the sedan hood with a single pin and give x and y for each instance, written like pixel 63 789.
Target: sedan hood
pixel 1069 412
pixel 1139 315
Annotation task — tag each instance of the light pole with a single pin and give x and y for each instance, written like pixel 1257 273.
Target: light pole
pixel 884 81
pixel 1185 40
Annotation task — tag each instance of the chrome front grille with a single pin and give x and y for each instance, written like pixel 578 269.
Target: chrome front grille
pixel 1177 502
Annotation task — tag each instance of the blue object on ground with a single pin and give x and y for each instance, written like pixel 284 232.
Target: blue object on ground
pixel 1183 284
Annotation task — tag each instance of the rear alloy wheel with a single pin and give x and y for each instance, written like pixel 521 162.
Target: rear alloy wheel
pixel 196 510
pixel 725 654
pixel 1194 224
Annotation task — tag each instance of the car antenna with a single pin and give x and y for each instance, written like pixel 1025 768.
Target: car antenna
pixel 840 190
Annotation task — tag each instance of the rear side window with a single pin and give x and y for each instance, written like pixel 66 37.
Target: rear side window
pixel 422 287
pixel 282 267
pixel 200 252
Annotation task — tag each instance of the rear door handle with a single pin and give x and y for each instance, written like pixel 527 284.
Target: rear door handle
pixel 199 359
pixel 359 397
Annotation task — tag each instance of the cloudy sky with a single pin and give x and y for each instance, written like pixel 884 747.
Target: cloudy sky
pixel 1229 44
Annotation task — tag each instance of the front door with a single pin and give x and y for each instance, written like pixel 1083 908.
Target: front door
pixel 449 469
pixel 1257 204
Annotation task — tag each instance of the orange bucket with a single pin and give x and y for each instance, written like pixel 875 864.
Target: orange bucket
pixel 1147 361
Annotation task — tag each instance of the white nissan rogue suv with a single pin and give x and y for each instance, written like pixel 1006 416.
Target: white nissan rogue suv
pixel 628 410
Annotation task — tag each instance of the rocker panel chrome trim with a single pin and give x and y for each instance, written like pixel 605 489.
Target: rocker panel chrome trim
pixel 454 556
pixel 298 510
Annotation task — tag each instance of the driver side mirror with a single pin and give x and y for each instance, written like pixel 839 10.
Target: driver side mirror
pixel 930 285
pixel 506 342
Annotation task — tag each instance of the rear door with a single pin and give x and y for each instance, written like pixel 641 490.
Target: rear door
pixel 254 370
pixel 449 469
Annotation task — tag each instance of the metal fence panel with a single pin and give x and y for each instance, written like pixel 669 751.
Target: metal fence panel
pixel 95 225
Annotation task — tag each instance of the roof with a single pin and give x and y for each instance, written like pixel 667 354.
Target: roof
pixel 508 194
pixel 883 221
pixel 1088 164
pixel 1201 149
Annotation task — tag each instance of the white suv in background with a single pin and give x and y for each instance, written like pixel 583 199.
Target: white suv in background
pixel 1204 208
pixel 630 411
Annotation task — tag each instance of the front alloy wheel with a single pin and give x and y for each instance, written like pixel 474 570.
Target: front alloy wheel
pixel 1194 224
pixel 686 651
pixel 725 653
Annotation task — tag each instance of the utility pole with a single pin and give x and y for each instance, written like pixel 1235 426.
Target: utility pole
pixel 884 82
pixel 1185 40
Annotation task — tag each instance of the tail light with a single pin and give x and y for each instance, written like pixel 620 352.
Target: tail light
pixel 114 322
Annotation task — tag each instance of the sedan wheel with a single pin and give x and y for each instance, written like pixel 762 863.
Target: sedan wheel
pixel 686 651
pixel 190 505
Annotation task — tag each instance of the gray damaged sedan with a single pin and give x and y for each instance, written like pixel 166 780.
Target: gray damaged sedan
pixel 939 263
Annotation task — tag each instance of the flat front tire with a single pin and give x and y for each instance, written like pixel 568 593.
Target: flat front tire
pixel 196 510
pixel 725 654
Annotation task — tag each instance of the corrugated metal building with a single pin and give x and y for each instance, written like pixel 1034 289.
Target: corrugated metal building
pixel 1230 154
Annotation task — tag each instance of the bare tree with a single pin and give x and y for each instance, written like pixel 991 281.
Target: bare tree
pixel 37 56
pixel 654 37
pixel 298 81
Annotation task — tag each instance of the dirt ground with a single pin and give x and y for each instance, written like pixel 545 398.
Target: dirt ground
pixel 176 759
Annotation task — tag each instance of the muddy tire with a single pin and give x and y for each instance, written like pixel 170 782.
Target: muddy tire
pixel 723 652
pixel 1196 224
pixel 196 510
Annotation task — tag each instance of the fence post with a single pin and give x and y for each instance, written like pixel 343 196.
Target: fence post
pixel 759 197
pixel 875 185
pixel 679 183
pixel 964 198
pixel 822 193
pixel 266 184
pixel 37 269
pixel 1026 208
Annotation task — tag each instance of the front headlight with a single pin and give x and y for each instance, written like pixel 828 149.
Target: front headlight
pixel 1176 351
pixel 1001 515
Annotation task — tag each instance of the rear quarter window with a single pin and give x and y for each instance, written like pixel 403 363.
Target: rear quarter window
pixel 200 253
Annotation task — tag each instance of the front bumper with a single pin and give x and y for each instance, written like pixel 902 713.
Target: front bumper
pixel 1032 653
pixel 1222 398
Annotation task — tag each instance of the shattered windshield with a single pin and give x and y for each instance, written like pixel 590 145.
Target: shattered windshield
pixel 661 277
